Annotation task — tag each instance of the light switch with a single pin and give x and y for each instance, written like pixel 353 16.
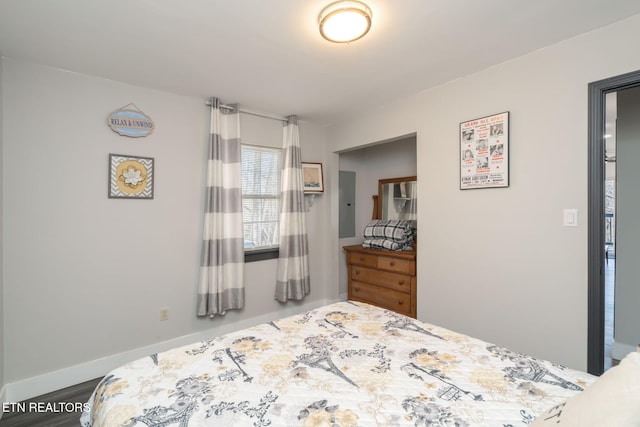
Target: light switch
pixel 570 218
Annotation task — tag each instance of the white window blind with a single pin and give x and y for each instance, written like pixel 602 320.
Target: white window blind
pixel 260 196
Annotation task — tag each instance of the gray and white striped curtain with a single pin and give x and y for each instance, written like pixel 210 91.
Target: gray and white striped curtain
pixel 292 280
pixel 221 285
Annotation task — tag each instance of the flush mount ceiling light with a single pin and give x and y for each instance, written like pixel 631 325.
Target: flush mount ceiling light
pixel 345 21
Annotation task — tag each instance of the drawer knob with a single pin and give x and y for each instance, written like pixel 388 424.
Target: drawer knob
pixel 357 289
pixel 401 282
pixel 400 302
pixel 392 263
pixel 357 272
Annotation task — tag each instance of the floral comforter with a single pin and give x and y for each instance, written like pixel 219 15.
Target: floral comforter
pixel 346 364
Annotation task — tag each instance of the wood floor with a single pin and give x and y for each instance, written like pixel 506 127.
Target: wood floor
pixel 71 397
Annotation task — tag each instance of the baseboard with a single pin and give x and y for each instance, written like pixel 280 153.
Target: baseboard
pixel 56 380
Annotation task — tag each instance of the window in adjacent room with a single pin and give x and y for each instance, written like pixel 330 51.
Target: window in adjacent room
pixel 260 201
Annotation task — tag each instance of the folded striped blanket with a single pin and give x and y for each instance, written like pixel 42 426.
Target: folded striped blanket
pixel 398 230
pixel 386 244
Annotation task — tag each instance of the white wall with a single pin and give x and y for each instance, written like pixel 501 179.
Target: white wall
pixel 85 276
pixel 627 270
pixel 497 263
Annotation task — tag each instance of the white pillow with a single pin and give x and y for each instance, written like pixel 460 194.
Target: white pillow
pixel 613 400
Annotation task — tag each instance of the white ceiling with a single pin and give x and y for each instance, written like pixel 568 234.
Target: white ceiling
pixel 268 56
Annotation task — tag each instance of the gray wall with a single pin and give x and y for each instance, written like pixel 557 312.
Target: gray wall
pixel 627 295
pixel 498 263
pixel 380 161
pixel 85 276
pixel 2 368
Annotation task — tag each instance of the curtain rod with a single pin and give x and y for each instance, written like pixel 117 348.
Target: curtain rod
pixel 253 113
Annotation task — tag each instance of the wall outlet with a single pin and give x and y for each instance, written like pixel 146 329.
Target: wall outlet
pixel 164 313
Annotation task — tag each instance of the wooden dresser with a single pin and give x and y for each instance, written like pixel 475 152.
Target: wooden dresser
pixel 383 278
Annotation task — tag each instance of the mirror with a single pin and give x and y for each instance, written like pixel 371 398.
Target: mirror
pixel 397 199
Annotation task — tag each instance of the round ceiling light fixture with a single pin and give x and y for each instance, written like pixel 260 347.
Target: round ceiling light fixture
pixel 345 21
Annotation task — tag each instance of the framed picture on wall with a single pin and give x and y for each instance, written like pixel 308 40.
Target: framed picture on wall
pixel 130 177
pixel 312 177
pixel 484 152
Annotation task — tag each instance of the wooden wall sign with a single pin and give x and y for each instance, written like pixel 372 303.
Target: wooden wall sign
pixel 130 121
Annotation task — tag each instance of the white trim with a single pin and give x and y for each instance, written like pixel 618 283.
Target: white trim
pixel 56 380
pixel 619 350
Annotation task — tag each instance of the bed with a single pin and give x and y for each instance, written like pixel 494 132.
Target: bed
pixel 345 364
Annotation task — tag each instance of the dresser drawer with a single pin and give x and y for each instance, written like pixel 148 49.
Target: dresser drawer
pixel 363 259
pixel 383 278
pixel 382 297
pixel 396 281
pixel 394 264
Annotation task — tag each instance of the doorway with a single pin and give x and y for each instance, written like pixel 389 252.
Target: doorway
pixel 599 250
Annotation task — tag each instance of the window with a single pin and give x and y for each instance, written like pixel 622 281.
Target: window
pixel 260 201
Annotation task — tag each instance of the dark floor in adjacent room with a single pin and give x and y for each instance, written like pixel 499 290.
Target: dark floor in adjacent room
pixel 75 394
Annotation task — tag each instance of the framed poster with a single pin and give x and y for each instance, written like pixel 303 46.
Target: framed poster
pixel 312 176
pixel 130 177
pixel 484 152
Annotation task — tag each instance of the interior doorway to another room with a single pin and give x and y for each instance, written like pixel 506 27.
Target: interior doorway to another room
pixel 614 206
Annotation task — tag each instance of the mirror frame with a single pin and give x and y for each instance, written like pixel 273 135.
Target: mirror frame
pixel 377 204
